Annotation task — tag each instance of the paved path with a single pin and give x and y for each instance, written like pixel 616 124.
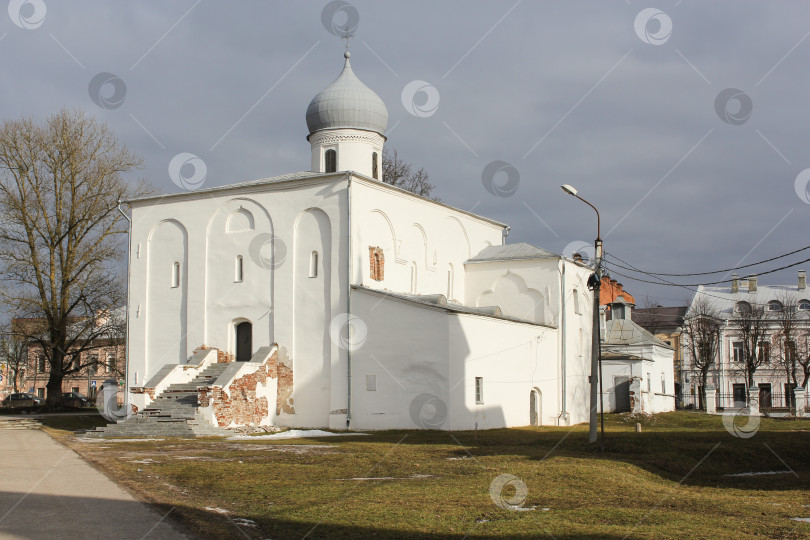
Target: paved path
pixel 47 491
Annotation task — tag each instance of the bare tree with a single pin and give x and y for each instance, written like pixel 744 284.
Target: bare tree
pixel 398 173
pixel 14 354
pixel 789 325
pixel 653 317
pixel 751 325
pixel 803 356
pixel 63 238
pixel 701 330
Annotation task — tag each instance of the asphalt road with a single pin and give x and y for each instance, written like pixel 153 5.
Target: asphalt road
pixel 47 491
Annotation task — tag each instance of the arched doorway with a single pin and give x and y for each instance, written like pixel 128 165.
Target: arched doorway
pixel 244 341
pixel 534 407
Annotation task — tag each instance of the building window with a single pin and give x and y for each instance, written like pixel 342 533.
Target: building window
pixel 40 392
pixel 376 263
pixel 110 362
pixel 663 384
pixel 575 295
pixel 764 352
pixel 175 275
pixel 737 351
pixel 790 352
pixel 41 363
pixel 413 278
pixel 649 383
pixel 479 390
pixel 371 383
pixel 743 307
pixel 330 160
pixel 804 305
pixel 238 269
pixel 374 172
pixel 313 264
pixel 93 363
pixel 75 389
pixel 774 305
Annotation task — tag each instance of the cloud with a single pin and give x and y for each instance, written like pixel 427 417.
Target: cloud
pixel 608 113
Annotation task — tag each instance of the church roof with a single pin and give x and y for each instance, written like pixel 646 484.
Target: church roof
pixel 511 252
pixel 439 301
pixel 347 103
pixel 298 176
pixel 626 332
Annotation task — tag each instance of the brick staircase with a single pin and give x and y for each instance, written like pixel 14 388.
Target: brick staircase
pixel 173 413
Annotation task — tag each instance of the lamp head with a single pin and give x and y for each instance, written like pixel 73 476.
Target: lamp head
pixel 571 190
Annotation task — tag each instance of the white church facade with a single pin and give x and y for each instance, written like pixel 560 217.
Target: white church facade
pixel 339 301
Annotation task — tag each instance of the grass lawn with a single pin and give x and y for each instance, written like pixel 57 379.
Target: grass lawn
pixel 669 481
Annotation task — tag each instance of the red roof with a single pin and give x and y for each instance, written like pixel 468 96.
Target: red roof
pixel 610 290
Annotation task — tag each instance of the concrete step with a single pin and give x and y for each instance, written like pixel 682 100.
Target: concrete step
pixel 173 413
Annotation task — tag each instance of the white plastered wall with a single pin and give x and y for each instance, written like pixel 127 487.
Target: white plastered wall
pixel 214 301
pixel 414 234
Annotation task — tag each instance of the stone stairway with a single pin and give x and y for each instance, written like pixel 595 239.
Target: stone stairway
pixel 173 413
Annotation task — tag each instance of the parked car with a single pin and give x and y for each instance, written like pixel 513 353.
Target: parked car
pixel 21 400
pixel 75 399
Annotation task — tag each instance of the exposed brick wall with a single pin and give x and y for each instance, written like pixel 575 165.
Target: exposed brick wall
pixel 222 356
pixel 377 263
pixel 243 406
pixel 284 399
pixel 610 290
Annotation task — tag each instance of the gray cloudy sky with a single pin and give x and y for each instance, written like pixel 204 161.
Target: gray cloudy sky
pixel 583 93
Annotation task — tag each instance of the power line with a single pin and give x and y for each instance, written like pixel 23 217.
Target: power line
pixel 717 271
pixel 670 283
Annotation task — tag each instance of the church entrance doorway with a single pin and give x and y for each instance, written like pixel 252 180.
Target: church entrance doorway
pixel 534 407
pixel 244 341
pixel 622 393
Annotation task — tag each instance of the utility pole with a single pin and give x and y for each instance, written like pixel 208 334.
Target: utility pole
pixel 596 339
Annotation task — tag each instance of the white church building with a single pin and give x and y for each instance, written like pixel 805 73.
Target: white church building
pixel 330 299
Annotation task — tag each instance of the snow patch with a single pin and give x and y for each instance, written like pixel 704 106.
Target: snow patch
pixel 217 510
pixel 113 440
pixel 291 434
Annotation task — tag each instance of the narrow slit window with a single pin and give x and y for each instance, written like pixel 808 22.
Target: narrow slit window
pixel 239 269
pixel 479 390
pixel 313 264
pixel 413 278
pixel 371 383
pixel 330 161
pixel 377 263
pixel 175 275
pixel 374 170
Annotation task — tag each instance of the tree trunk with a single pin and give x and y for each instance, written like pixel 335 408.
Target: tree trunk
pixel 53 391
pixel 704 376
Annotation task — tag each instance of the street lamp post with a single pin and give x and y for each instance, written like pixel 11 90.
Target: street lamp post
pixel 596 341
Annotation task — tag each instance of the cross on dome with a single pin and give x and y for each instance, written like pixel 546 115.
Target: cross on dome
pixel 347 35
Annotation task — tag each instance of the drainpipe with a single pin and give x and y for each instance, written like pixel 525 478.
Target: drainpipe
pixel 126 315
pixel 563 413
pixel 349 301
